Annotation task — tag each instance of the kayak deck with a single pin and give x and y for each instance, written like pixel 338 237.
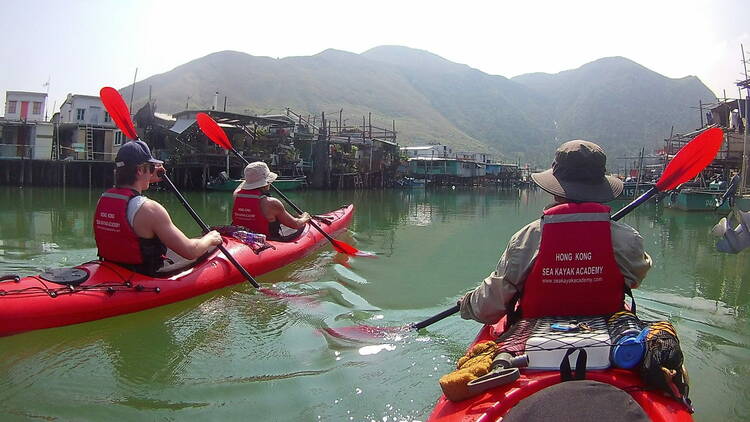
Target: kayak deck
pixel 34 303
pixel 493 404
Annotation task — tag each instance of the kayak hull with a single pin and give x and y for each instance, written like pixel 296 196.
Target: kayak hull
pixel 33 303
pixel 492 405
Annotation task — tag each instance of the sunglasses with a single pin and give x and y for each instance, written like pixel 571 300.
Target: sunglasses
pixel 151 167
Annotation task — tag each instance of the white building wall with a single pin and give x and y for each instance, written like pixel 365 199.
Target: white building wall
pixel 42 149
pixel 14 104
pixel 479 157
pixel 432 151
pixel 84 110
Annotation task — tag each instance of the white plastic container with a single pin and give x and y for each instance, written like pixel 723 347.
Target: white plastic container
pixel 546 347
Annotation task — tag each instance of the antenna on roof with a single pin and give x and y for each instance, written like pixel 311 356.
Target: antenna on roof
pixel 46 84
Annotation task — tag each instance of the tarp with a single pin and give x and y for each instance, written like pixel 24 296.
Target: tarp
pixel 181 125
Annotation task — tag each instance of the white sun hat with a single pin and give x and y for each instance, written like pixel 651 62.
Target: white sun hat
pixel 258 175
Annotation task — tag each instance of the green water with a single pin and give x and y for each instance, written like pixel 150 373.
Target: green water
pixel 237 355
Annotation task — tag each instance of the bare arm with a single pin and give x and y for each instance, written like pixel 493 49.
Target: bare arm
pixel 277 210
pixel 153 220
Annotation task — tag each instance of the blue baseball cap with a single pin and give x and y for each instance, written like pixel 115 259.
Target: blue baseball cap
pixel 133 153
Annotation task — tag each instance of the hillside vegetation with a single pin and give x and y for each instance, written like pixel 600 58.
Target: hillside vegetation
pixel 613 101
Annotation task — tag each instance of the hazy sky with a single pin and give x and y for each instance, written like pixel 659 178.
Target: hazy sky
pixel 84 45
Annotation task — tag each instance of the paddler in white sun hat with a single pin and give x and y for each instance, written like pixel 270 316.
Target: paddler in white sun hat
pixel 260 213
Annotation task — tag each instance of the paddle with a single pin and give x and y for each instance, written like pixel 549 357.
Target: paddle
pixel 688 162
pixel 117 108
pixel 216 134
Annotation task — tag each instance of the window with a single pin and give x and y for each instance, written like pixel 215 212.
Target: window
pixel 107 119
pixel 80 113
pixel 118 138
pixel 37 108
pixel 11 107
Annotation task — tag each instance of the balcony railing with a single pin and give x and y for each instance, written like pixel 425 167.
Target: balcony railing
pixel 16 151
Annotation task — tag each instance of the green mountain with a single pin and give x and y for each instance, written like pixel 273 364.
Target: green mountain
pixel 619 103
pixel 613 101
pixel 329 81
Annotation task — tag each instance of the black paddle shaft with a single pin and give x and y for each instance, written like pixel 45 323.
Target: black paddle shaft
pixel 433 319
pixel 205 229
pixel 299 211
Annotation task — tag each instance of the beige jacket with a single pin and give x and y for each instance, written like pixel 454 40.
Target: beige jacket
pixel 490 301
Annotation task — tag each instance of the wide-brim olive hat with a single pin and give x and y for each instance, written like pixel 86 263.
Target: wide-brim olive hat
pixel 579 174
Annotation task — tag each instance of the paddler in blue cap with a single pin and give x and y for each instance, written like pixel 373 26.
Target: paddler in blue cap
pixel 134 231
pixel 572 261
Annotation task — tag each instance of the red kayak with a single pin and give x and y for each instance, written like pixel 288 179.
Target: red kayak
pixel 35 302
pixel 495 403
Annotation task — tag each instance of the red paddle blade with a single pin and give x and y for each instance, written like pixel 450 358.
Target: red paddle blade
pixel 348 249
pixel 213 130
pixel 365 333
pixel 691 159
pixel 117 108
pixel 299 299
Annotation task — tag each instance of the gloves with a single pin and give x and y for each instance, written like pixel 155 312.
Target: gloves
pixel 474 364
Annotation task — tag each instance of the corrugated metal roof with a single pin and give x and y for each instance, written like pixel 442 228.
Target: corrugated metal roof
pixel 419 148
pixel 181 125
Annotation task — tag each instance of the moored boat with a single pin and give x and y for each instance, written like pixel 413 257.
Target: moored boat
pixel 634 189
pixel 96 289
pixel 537 387
pixel 410 182
pixel 696 200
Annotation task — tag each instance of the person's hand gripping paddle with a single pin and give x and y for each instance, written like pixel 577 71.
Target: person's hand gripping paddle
pixel 215 133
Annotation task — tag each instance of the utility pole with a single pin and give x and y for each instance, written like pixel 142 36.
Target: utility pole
pixel 747 120
pixel 132 89
pixel 47 98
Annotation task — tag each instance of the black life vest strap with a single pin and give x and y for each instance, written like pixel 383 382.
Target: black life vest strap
pixel 514 309
pixel 580 371
pixel 629 292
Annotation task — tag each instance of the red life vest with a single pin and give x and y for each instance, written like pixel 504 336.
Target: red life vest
pixel 575 272
pixel 116 239
pixel 246 211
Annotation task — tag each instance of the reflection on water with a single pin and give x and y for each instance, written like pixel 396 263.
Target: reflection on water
pixel 235 352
